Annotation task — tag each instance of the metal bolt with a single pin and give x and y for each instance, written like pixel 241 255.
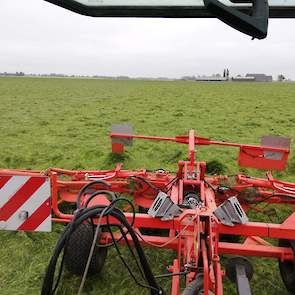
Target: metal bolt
pixel 23 215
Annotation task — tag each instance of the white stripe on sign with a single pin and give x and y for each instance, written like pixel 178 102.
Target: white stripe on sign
pixel 30 206
pixel 11 187
pixel 45 226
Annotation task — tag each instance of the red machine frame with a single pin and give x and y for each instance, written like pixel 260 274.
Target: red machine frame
pixel 194 235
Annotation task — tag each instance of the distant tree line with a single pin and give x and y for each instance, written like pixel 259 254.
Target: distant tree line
pixel 19 74
pixel 280 77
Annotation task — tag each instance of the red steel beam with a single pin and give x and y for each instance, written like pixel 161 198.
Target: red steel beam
pixel 255 250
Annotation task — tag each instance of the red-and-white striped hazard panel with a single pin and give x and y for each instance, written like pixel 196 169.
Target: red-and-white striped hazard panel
pixel 25 203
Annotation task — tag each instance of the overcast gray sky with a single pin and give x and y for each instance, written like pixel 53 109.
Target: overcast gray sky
pixel 38 37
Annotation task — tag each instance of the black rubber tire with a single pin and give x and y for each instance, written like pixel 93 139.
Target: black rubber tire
pixel 78 251
pixel 287 268
pixel 230 268
pixel 195 287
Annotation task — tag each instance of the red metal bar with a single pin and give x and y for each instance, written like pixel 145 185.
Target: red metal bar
pixel 143 137
pixel 255 250
pixel 218 276
pixel 175 289
pixel 191 150
pixel 267 230
pixel 200 141
pixel 253 147
pixel 205 267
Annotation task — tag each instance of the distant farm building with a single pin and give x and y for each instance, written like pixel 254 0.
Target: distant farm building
pixel 252 78
pixel 243 79
pixel 260 77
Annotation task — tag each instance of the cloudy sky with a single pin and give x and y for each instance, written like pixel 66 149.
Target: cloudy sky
pixel 38 37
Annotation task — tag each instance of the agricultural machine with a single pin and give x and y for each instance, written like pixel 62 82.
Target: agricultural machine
pixel 195 215
pixel 199 217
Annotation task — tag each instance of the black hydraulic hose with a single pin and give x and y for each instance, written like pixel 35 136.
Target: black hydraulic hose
pixel 100 192
pixel 109 225
pixel 88 185
pixel 92 248
pixel 80 217
pixel 61 244
pixel 146 267
pixel 115 242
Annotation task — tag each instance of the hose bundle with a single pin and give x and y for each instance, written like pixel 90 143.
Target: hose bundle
pixel 84 214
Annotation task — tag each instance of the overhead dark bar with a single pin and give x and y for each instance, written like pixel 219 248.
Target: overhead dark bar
pixel 162 11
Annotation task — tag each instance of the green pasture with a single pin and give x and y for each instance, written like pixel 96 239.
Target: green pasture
pixel 47 122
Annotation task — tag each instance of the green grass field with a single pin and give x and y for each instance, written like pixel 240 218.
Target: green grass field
pixel 65 123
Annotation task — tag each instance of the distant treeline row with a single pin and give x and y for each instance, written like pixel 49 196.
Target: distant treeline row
pixel 22 74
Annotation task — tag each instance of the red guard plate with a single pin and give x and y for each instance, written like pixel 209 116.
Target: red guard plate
pixel 266 159
pixel 260 159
